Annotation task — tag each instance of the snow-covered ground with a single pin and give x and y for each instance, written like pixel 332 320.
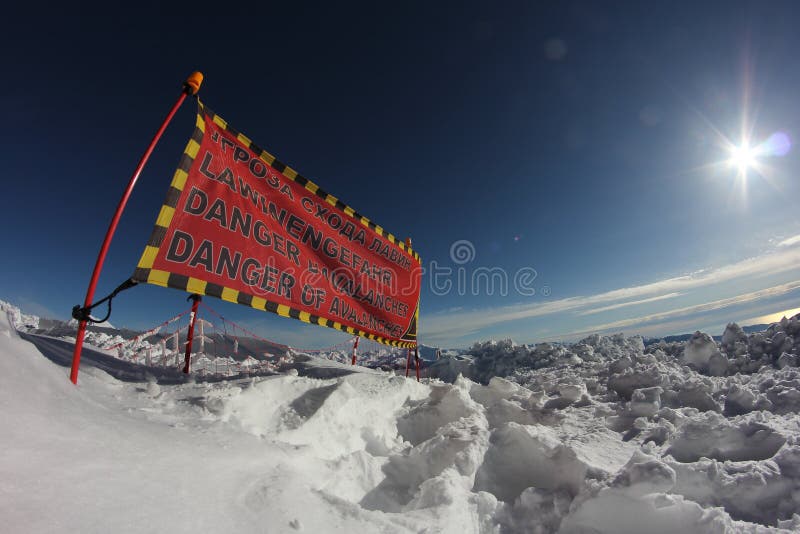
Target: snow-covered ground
pixel 600 436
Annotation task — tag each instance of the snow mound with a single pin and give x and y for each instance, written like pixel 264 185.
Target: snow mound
pixel 17 319
pixel 529 456
pixel 712 436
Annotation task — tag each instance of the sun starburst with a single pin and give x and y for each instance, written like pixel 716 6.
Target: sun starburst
pixel 743 158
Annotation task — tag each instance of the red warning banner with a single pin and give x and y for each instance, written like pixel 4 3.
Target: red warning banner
pixel 240 225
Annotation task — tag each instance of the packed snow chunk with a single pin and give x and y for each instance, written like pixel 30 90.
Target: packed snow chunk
pixel 718 364
pixel 646 402
pixel 497 389
pixel 446 403
pixel 788 360
pixel 641 499
pixel 458 445
pixel 333 416
pixel 572 391
pixel 615 346
pixel 758 491
pixel 791 525
pixel 505 401
pixel 561 403
pixel 788 459
pixel 645 474
pixel 616 511
pixel 536 510
pixel 783 391
pixel 733 334
pixel 444 490
pixel 696 393
pixel 356 475
pixel 620 365
pixel 711 435
pixel 739 400
pixel 660 433
pixel 699 350
pixel 521 457
pixel 449 367
pixel 446 504
pixel 631 379
pixel 19 321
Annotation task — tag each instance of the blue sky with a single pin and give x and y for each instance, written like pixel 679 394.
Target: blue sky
pixel 584 142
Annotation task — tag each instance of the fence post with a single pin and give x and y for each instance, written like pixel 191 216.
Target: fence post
pixel 176 339
pixel 196 302
pixel 355 350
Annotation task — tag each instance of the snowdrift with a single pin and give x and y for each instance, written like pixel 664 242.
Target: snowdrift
pixel 601 436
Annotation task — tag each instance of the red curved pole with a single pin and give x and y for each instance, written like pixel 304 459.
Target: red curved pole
pixel 190 87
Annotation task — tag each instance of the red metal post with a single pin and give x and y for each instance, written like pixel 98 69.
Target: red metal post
pixel 191 86
pixel 416 361
pixel 408 354
pixel 355 350
pixel 190 333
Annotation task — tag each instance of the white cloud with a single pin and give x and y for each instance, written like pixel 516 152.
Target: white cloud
pixel 790 241
pixel 444 326
pixel 629 303
pixel 688 310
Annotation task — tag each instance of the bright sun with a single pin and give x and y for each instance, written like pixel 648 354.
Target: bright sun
pixel 743 157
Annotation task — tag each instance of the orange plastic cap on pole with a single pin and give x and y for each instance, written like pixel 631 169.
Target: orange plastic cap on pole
pixel 193 82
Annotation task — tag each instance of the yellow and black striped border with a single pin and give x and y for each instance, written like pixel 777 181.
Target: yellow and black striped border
pixel 294 176
pixel 145 273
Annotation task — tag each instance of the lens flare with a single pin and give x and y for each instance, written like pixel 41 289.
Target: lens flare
pixel 778 144
pixel 748 153
pixel 745 157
